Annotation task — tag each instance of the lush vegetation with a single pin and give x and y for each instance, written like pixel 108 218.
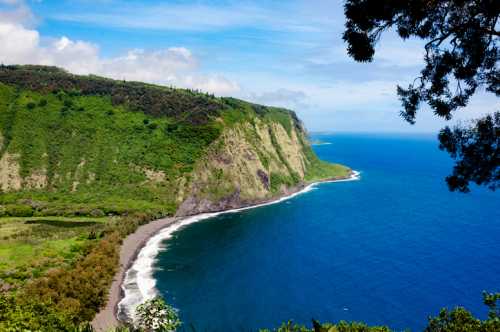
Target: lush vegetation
pixel 94 155
pixel 157 101
pixel 85 161
pixel 456 320
pixel 69 294
pixel 31 246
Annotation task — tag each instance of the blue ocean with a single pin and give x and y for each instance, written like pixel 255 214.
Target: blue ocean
pixel 390 249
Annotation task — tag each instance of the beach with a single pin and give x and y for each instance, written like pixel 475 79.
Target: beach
pixel 131 245
pixel 134 283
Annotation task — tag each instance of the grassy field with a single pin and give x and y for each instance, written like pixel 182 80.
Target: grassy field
pixel 29 246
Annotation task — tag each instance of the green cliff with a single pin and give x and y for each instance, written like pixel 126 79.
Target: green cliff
pixel 85 160
pixel 85 145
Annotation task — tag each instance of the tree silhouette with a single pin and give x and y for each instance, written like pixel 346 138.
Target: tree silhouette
pixel 461 56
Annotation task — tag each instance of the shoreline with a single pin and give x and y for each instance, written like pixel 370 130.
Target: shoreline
pixel 140 248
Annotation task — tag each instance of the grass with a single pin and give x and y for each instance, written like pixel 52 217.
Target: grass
pixel 92 152
pixel 31 245
pixel 321 170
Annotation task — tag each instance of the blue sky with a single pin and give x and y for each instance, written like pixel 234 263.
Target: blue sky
pixel 283 53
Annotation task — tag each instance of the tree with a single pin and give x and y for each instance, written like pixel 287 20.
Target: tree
pixel 461 320
pixel 156 315
pixel 461 56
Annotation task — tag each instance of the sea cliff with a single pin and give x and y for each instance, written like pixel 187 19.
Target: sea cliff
pixel 85 161
pixel 97 145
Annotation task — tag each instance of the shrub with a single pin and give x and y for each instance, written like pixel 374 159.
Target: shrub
pixel 18 210
pixel 31 105
pixel 156 315
pixel 42 103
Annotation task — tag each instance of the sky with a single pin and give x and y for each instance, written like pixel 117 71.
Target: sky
pixel 280 53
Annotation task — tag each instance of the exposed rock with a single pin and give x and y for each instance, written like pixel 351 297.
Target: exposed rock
pixel 233 175
pixel 263 178
pixel 154 176
pixel 37 180
pixel 10 178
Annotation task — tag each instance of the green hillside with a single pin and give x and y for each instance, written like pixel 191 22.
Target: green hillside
pixel 84 160
pixel 85 143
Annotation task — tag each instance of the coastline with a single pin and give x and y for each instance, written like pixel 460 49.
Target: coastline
pixel 133 282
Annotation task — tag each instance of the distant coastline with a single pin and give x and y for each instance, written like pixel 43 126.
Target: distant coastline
pixel 319 142
pixel 133 283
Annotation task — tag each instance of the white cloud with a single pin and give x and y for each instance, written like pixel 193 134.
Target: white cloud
pixel 19 45
pixel 175 66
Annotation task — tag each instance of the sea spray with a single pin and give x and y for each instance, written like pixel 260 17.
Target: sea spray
pixel 139 284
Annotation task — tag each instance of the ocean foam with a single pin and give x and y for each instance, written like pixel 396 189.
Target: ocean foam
pixel 139 284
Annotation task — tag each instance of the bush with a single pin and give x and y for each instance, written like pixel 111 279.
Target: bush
pixel 42 103
pixel 31 105
pixel 17 210
pixel 156 315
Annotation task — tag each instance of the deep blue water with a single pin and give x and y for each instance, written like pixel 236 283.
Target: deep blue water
pixel 392 248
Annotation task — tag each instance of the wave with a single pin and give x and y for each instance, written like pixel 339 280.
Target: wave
pixel 139 284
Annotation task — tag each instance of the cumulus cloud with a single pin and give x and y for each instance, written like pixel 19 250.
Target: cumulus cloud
pixel 175 66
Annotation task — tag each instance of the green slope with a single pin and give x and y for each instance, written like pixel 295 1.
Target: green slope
pixel 82 143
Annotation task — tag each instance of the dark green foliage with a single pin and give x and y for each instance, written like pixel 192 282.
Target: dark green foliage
pixel 42 102
pixel 477 151
pixel 461 56
pixel 461 46
pixel 75 139
pixel 461 320
pixel 456 320
pixel 30 105
pixel 18 210
pixel 327 327
pixel 156 101
pixel 64 298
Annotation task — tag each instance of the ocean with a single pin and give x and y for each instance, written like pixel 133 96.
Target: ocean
pixel 390 249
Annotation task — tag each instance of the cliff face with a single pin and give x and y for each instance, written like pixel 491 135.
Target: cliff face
pixel 72 145
pixel 251 162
